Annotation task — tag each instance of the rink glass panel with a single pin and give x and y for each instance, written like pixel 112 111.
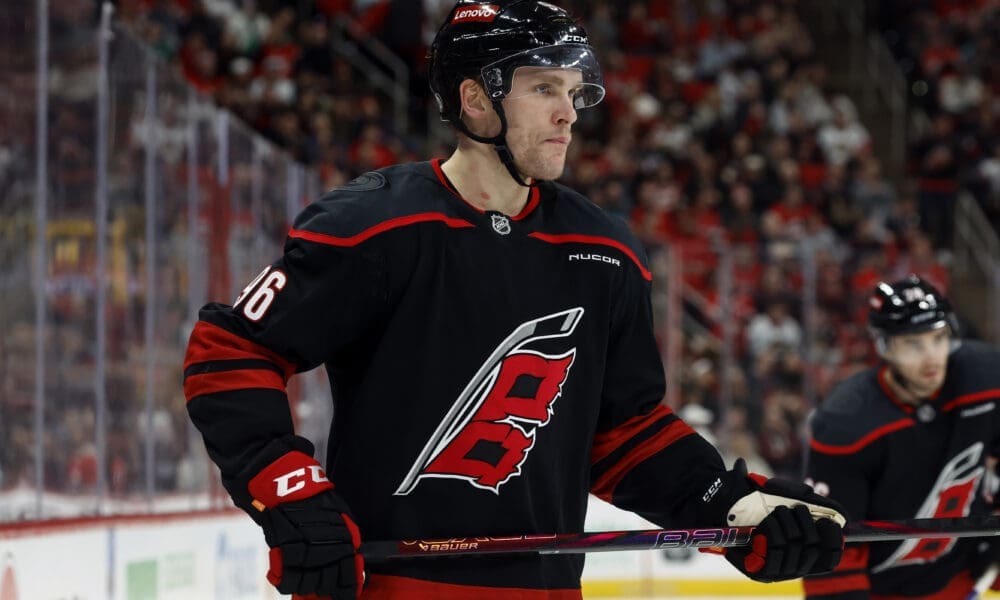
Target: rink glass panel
pixel 154 202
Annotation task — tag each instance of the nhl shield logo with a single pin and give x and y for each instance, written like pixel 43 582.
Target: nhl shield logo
pixel 501 224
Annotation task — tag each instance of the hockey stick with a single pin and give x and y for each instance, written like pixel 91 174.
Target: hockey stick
pixel 652 539
pixel 984 582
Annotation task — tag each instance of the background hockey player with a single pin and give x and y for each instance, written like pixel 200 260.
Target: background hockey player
pixel 489 338
pixel 910 438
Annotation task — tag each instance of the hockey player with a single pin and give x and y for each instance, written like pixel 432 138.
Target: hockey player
pixel 488 336
pixel 909 438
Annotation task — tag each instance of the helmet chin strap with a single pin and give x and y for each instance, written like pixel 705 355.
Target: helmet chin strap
pixel 508 161
pixel 498 141
pixel 882 347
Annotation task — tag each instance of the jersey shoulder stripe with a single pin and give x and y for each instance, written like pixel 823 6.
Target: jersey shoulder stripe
pixel 571 218
pixel 571 238
pixel 354 240
pixel 854 415
pixel 973 398
pixel 376 202
pixel 973 368
pixel 861 443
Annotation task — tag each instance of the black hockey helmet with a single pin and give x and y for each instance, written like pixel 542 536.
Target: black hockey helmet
pixel 487 42
pixel 910 305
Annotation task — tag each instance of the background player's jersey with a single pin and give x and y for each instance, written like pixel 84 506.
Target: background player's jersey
pixel 883 459
pixel 488 371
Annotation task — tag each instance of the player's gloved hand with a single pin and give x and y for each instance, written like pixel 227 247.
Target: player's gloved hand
pixel 314 541
pixel 798 532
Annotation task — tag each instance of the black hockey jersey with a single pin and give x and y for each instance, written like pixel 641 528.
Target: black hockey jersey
pixel 488 371
pixel 884 459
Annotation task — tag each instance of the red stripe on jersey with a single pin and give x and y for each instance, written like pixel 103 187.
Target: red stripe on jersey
pixel 858 445
pixel 393 587
pixel 576 238
pixel 855 557
pixel 604 487
pixel 533 199
pixel 836 585
pixel 609 441
pixel 971 398
pixel 211 342
pixel 846 577
pixel 883 382
pixel 354 240
pixel 228 381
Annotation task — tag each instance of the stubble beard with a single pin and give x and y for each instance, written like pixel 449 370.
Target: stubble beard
pixel 918 385
pixel 540 165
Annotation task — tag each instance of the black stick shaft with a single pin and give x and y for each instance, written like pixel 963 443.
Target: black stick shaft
pixel 651 539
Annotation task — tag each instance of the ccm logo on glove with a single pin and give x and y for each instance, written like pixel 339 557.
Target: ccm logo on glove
pixel 712 490
pixel 286 487
pixel 292 477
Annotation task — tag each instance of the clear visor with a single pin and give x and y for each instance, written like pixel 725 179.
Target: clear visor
pixel 499 76
pixel 914 348
pixel 908 346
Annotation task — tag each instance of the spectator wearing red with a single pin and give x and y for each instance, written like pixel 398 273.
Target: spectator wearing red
pixel 784 223
pixel 698 258
pixel 200 64
pixel 639 33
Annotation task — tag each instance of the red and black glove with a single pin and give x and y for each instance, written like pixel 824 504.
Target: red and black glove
pixel 314 541
pixel 798 532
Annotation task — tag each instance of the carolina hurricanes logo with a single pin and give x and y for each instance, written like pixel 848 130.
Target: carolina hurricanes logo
pixel 489 431
pixel 951 496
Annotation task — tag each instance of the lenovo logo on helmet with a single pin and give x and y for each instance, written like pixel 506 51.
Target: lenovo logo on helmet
pixel 484 13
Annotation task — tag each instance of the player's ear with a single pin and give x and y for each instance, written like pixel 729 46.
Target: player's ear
pixel 476 108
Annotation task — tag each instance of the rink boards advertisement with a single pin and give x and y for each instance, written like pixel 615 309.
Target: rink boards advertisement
pixel 213 555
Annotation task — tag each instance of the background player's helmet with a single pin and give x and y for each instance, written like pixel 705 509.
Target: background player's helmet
pixel 488 41
pixel 910 305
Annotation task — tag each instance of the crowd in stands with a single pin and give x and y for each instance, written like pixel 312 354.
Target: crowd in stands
pixel 726 142
pixel 947 50
pixel 729 153
pixel 273 65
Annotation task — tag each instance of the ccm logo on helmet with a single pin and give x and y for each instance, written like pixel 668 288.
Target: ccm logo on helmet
pixel 293 481
pixel 484 13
